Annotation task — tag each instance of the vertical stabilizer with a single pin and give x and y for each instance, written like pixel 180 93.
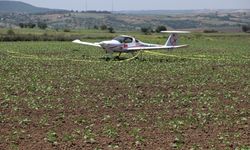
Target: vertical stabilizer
pixel 172 40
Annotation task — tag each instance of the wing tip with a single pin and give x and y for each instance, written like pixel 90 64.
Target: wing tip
pixel 182 46
pixel 76 41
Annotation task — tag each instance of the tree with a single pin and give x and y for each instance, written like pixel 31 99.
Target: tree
pixel 10 32
pixel 96 27
pixel 210 31
pixel 245 28
pixel 111 30
pixel 21 25
pixel 146 30
pixel 42 25
pixel 66 30
pixel 27 25
pixel 103 27
pixel 160 28
pixel 31 25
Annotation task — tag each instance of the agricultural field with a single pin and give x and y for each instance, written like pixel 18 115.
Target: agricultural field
pixel 60 95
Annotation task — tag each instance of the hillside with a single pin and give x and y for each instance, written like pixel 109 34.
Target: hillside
pixel 12 13
pixel 20 7
pixel 181 12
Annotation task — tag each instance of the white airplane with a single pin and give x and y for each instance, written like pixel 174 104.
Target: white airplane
pixel 128 44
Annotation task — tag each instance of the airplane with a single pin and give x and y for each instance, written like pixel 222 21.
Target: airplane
pixel 129 44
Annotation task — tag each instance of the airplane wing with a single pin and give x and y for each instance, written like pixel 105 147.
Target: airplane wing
pixel 155 48
pixel 86 43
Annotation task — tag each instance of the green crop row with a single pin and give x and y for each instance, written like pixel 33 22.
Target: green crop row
pixel 62 95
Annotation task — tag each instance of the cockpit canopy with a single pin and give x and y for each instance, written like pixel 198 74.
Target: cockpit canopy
pixel 125 39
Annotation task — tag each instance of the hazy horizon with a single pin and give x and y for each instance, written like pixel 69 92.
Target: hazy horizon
pixel 137 5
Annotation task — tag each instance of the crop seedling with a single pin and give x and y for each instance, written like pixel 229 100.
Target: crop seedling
pixel 136 134
pixel 89 136
pixel 51 137
pixel 110 132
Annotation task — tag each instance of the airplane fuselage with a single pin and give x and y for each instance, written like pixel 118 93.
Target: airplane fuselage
pixel 122 43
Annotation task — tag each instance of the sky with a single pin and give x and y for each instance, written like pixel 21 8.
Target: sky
pixel 140 4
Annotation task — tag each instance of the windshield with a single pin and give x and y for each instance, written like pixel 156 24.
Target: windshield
pixel 122 39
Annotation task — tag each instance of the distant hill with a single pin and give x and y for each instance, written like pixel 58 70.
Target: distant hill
pixel 14 13
pixel 181 12
pixel 20 7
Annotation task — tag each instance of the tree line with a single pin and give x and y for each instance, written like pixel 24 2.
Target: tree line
pixel 149 30
pixel 41 25
pixel 246 28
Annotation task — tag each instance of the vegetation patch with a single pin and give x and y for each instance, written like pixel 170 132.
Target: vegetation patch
pixel 60 95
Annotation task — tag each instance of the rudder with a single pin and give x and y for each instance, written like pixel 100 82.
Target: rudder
pixel 172 40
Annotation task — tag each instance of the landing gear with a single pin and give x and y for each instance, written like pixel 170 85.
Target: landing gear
pixel 118 57
pixel 119 54
pixel 108 56
pixel 135 55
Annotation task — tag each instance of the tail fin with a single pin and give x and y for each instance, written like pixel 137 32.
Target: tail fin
pixel 173 38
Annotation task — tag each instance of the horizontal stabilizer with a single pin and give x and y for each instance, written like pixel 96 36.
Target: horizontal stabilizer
pixel 175 32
